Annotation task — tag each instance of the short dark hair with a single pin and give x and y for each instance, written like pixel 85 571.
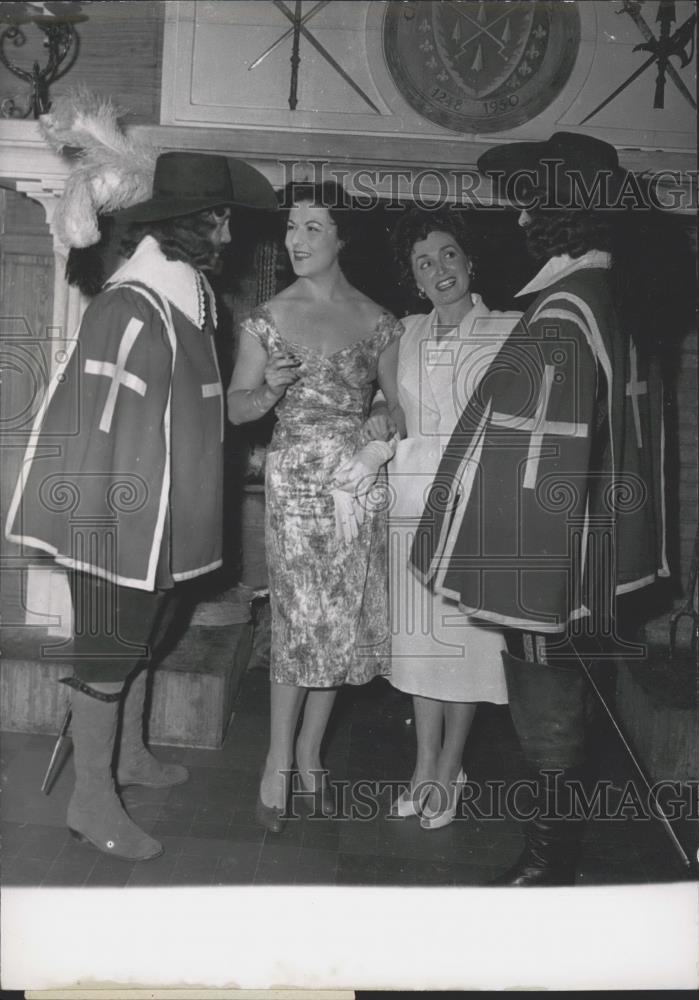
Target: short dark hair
pixel 184 238
pixel 326 194
pixel 416 224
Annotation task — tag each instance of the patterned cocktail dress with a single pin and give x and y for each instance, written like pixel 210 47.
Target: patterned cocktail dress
pixel 328 597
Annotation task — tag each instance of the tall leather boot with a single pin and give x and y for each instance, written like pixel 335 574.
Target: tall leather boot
pixel 552 837
pixel 136 765
pixel 548 707
pixel 95 813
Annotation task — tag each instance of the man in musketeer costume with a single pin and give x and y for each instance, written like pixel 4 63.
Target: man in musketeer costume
pixel 122 482
pixel 554 478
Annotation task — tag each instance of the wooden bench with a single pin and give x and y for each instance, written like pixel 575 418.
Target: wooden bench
pixel 657 707
pixel 194 686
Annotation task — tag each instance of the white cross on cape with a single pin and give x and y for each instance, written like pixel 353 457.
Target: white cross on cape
pixel 117 373
pixel 539 427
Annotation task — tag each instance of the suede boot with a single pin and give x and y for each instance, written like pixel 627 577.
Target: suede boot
pixel 135 764
pixel 548 707
pixel 95 813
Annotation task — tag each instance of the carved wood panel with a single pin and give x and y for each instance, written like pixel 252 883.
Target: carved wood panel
pixel 26 293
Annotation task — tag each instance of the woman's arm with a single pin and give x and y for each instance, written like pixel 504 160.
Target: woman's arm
pixel 388 383
pixel 259 381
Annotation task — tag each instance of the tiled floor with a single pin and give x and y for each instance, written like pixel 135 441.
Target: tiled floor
pixel 210 837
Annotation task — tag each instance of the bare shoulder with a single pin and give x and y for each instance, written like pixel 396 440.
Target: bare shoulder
pixel 283 302
pixel 370 311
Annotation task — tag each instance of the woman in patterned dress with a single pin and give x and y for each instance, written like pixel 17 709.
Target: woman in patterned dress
pixel 315 352
pixel 439 655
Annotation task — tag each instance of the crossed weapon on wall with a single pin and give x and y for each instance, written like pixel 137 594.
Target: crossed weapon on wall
pixel 661 49
pixel 680 43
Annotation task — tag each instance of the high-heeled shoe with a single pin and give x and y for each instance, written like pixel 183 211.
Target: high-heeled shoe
pixel 270 817
pixel 408 804
pixel 320 802
pixel 443 817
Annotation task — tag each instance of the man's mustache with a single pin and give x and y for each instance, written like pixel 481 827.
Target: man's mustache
pixel 214 262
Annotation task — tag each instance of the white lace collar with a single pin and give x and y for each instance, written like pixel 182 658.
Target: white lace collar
pixel 179 283
pixel 563 265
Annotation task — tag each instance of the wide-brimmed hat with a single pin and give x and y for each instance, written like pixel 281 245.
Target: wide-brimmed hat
pixel 569 170
pixel 192 182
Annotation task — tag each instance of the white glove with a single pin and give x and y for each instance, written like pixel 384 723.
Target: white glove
pixel 358 474
pixel 346 525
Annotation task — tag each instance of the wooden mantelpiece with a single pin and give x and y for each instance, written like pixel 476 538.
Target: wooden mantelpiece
pixel 24 156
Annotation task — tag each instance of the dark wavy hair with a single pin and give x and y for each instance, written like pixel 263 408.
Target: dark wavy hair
pixel 185 238
pixel 85 266
pixel 552 233
pixel 416 224
pixel 326 194
pixel 649 272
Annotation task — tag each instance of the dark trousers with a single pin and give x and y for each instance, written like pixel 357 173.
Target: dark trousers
pixel 116 629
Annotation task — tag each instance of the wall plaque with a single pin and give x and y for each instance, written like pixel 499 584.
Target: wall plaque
pixel 480 67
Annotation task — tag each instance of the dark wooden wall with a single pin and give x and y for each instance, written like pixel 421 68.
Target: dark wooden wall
pixel 120 56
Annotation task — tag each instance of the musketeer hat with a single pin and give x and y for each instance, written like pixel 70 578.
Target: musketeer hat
pixel 569 170
pixel 192 182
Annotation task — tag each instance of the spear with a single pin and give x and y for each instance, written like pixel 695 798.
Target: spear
pixel 675 45
pixel 283 38
pixel 661 815
pixel 295 57
pixel 665 46
pixel 666 15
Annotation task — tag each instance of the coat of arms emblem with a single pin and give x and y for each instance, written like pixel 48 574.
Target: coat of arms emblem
pixel 480 67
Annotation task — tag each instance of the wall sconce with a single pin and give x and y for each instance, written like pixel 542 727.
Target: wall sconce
pixel 56 20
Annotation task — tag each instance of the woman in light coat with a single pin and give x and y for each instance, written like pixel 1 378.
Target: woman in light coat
pixel 439 656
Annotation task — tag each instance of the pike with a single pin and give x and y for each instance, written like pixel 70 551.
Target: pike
pixel 661 815
pixel 298 26
pixel 295 58
pixel 287 34
pixel 661 50
pixel 665 46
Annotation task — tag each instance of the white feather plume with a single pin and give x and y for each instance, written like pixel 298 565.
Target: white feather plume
pixel 110 170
